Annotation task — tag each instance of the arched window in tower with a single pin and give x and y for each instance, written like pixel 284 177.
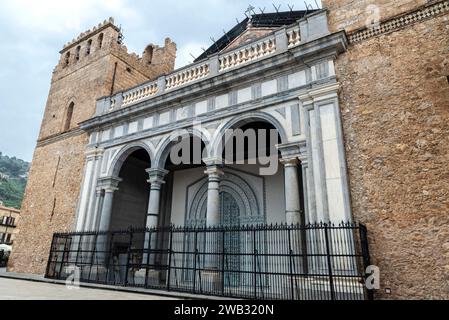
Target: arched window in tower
pixel 77 56
pixel 67 58
pixel 100 40
pixel 89 47
pixel 68 117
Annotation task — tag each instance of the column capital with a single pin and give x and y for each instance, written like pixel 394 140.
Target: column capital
pixel 290 161
pixel 312 96
pixel 214 167
pixel 293 150
pixel 213 162
pixel 156 176
pixel 109 184
pixel 94 153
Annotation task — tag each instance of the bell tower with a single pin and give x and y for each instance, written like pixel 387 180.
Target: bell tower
pixel 93 65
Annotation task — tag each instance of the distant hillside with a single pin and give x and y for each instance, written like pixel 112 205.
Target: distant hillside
pixel 13 179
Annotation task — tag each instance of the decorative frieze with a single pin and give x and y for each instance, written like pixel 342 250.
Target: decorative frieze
pixel 400 22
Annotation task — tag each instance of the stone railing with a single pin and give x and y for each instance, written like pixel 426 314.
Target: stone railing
pixel 305 30
pixel 248 53
pixel 293 36
pixel 187 75
pixel 139 93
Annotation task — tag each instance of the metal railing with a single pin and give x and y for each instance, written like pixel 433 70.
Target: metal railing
pixel 313 262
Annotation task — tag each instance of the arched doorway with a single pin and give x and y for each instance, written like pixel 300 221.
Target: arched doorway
pixel 131 200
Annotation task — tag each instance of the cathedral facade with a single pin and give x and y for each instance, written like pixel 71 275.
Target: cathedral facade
pixel 351 102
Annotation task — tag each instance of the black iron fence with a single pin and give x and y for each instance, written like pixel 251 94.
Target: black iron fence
pixel 313 262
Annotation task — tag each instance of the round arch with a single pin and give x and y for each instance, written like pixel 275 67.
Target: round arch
pixel 238 121
pixel 164 147
pixel 241 191
pixel 124 153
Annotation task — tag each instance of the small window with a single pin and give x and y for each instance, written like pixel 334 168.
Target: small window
pixel 68 117
pixel 100 40
pixel 148 54
pixel 89 47
pixel 67 58
pixel 77 56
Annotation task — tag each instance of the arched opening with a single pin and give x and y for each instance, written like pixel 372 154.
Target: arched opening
pixel 67 58
pixel 182 169
pixel 100 40
pixel 249 151
pixel 89 47
pixel 131 200
pixel 68 117
pixel 148 54
pixel 77 54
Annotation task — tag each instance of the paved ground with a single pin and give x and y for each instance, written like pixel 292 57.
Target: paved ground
pixel 11 289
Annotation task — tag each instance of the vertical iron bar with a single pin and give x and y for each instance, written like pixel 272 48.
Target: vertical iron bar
pixel 108 263
pixel 255 263
pixel 223 262
pixel 92 255
pixel 365 255
pixel 50 256
pixel 169 258
pixel 194 262
pixel 329 261
pixel 291 263
pixel 127 260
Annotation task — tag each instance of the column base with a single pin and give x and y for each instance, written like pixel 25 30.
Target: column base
pixel 212 281
pixel 293 217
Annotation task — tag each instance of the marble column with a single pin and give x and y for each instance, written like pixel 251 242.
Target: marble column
pixel 93 200
pixel 156 180
pixel 214 173
pixel 84 194
pixel 212 263
pixel 109 185
pixel 292 197
pixel 99 196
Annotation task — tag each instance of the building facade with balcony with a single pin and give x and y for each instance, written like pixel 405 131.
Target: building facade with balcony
pixel 136 167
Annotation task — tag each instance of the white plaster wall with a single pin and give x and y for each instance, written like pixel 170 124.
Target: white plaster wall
pixel 201 107
pixel 274 203
pixel 147 123
pixel 182 179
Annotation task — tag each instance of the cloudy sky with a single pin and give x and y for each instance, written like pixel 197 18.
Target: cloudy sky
pixel 33 32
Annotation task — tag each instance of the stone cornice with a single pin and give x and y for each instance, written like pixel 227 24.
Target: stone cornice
pixel 60 136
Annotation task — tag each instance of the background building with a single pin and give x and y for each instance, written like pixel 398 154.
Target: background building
pixel 9 218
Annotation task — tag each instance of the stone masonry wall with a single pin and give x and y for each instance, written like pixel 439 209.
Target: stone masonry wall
pixel 353 14
pixel 395 108
pixel 49 203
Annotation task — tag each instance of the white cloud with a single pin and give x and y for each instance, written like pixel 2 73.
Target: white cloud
pixel 56 16
pixel 183 55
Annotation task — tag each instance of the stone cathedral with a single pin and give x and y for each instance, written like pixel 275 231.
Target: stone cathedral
pixel 357 93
